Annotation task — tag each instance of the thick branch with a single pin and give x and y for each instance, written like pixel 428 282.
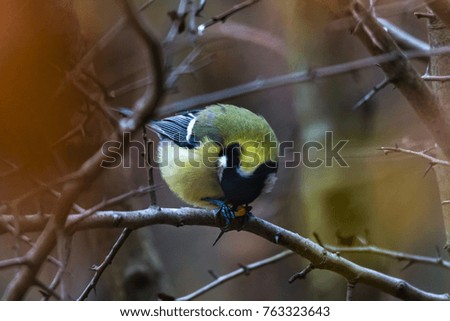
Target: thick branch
pixel 316 254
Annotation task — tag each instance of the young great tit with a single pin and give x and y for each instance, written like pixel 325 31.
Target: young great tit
pixel 221 157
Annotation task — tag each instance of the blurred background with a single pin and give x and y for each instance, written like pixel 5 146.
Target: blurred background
pixel 385 200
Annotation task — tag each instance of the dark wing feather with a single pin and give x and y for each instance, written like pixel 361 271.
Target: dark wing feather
pixel 176 128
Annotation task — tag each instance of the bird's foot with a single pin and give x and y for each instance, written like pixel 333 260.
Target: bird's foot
pixel 227 215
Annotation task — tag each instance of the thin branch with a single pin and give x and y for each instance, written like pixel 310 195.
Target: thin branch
pixel 241 271
pixel 148 163
pixel 145 107
pixel 432 160
pixel 378 87
pixel 436 78
pixel 405 39
pixel 401 71
pixel 350 288
pixel 73 131
pixel 130 86
pixel 182 68
pixel 291 79
pixel 98 46
pixel 107 261
pixel 302 274
pixel 8 263
pixel 177 21
pixel 400 256
pixel 222 17
pixel 36 180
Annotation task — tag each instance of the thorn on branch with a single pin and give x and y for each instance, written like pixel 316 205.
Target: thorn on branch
pixel 409 264
pixel 245 268
pixel 214 275
pixel 222 17
pixel 302 274
pixel 318 240
pixel 430 166
pixel 276 238
pixel 377 88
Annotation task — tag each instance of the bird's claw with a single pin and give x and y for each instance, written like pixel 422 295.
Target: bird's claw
pixel 225 216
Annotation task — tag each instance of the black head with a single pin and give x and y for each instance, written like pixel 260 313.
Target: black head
pixel 239 187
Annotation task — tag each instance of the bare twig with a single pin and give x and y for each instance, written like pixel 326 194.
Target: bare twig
pixel 439 35
pixel 112 201
pixel 144 108
pixel 292 78
pixel 27 240
pixel 405 39
pixel 227 277
pixel 95 49
pixel 130 86
pixel 107 261
pixel 54 284
pixel 222 17
pixel 36 180
pixel 148 163
pixel 432 160
pixel 436 78
pixel 403 75
pixel 302 274
pixel 178 18
pixel 8 263
pixel 426 15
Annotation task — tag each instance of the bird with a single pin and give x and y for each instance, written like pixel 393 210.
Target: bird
pixel 218 157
